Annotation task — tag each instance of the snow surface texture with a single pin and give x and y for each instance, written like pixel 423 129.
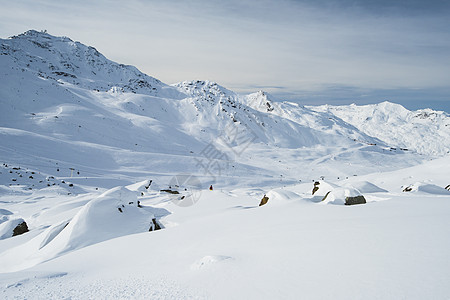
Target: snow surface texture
pixel 96 157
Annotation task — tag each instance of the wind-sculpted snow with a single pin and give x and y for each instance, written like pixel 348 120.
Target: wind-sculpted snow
pixel 113 214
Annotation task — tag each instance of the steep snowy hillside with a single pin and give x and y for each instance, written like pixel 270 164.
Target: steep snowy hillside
pixel 308 117
pixel 218 106
pixel 424 131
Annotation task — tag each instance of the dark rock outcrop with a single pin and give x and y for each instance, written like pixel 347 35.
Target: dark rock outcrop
pixel 407 189
pixel 355 200
pixel 316 187
pixel 154 225
pixel 170 191
pixel 20 229
pixel 326 195
pixel 264 200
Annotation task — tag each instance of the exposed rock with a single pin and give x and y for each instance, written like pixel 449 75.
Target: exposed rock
pixel 355 200
pixel 316 187
pixel 170 191
pixel 264 200
pixel 147 186
pixel 447 187
pixel 407 189
pixel 20 229
pixel 155 225
pixel 326 195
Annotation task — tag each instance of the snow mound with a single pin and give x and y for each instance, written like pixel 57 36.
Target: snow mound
pixel 280 196
pixel 3 214
pixel 113 214
pixel 426 188
pixel 208 260
pixel 321 189
pixel 339 195
pixel 141 186
pixel 325 192
pixel 51 233
pixel 366 187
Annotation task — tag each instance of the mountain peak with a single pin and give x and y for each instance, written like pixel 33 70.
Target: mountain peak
pixel 33 33
pixel 209 90
pixel 67 62
pixel 260 101
pixel 45 39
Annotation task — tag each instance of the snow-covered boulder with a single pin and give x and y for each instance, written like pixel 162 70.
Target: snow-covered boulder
pixel 344 195
pixel 278 196
pixel 326 192
pixel 366 187
pixel 321 189
pixel 114 213
pixel 12 228
pixel 426 188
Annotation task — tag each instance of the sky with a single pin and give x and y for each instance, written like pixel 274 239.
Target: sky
pixel 308 51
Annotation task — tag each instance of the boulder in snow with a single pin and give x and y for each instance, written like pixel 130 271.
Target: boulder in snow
pixel 12 228
pixel 316 187
pixel 155 225
pixel 427 188
pixel 325 192
pixel 355 200
pixel 264 200
pixel 20 229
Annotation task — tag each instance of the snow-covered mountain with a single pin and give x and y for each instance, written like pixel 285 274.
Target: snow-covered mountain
pixel 96 153
pixel 61 99
pixel 425 131
pixel 59 59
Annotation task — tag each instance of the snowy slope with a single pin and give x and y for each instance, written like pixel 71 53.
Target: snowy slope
pixel 308 117
pixel 225 246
